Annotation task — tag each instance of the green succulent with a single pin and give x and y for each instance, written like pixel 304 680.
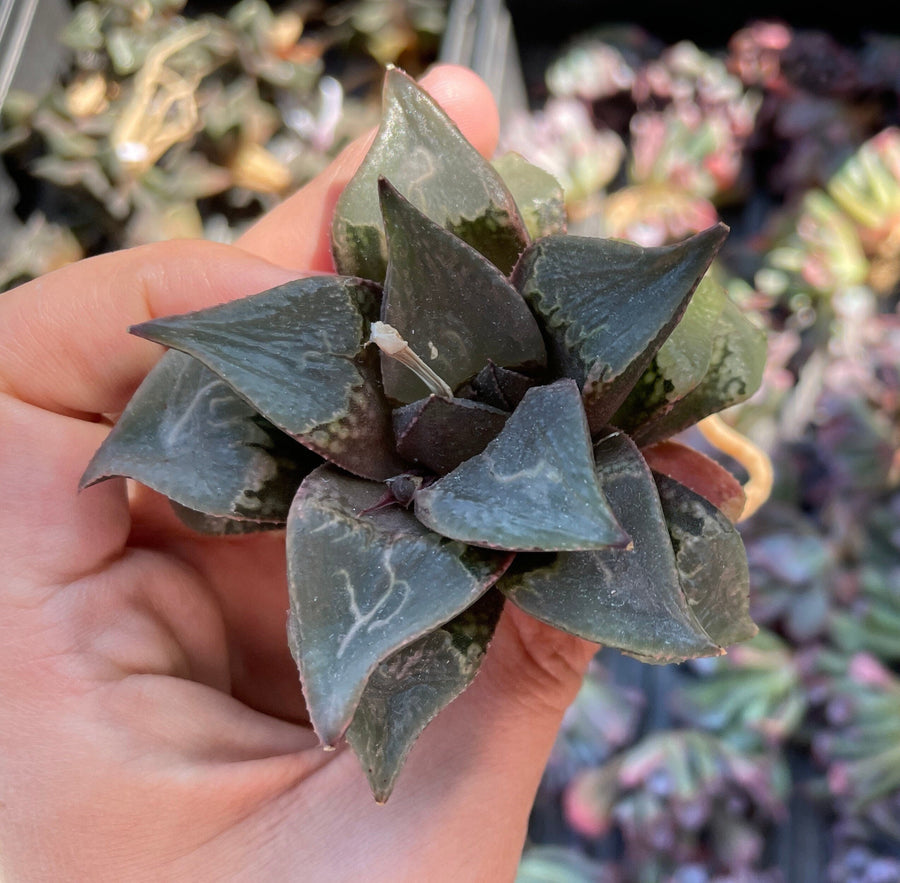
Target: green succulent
pixel 503 469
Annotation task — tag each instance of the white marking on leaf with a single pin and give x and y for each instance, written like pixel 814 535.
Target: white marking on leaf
pixel 368 620
pixel 177 429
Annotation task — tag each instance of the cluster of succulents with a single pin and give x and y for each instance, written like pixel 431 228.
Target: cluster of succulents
pixel 854 739
pixel 754 701
pixel 819 681
pixel 687 124
pixel 682 798
pixel 838 247
pixel 169 124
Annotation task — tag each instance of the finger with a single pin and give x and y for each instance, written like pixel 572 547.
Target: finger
pixel 64 342
pixel 298 232
pixel 48 531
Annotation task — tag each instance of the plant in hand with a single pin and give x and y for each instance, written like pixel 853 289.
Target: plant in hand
pixel 476 409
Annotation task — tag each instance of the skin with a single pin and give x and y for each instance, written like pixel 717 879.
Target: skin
pixel 153 726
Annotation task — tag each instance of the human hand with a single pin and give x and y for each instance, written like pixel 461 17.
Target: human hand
pixel 153 726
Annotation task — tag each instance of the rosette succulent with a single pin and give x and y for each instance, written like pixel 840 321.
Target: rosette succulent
pixel 474 410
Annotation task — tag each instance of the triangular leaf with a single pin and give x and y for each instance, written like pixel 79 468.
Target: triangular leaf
pixel 734 374
pixel 365 582
pixel 680 364
pixel 628 599
pixel 420 149
pixel 711 560
pixel 456 310
pixel 607 306
pixel 533 488
pixel 537 193
pixel 297 354
pixel 440 433
pixel 186 434
pixel 408 689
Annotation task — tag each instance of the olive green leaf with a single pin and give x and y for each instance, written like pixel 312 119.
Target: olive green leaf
pixel 186 434
pixel 533 488
pixel 606 306
pixel 711 561
pixel 408 689
pixel 297 353
pixel 455 309
pixel 734 373
pixel 628 599
pixel 537 193
pixel 365 582
pixel 422 152
pixel 680 364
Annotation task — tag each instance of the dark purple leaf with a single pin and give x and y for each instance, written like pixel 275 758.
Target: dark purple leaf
pixel 298 354
pixel 628 599
pixel 711 562
pixel 439 433
pixel 408 689
pixel 186 434
pixel 420 149
pixel 606 306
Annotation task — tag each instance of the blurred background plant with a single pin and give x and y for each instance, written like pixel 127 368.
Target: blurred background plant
pixel 785 756
pixel 781 760
pixel 172 121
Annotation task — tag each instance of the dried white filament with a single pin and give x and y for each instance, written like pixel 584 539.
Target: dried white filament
pixel 389 341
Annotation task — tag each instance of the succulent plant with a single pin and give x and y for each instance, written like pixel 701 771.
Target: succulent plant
pixel 859 744
pixel 753 698
pixel 561 137
pixel 857 862
pixel 183 123
pixel 508 441
pixel 681 797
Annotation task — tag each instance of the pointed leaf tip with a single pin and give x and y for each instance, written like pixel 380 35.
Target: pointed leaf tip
pixel 297 354
pixel 453 306
pixel 408 689
pixel 711 561
pixel 630 600
pixel 186 434
pixel 606 306
pixel 426 157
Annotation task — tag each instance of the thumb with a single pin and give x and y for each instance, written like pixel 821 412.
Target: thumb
pixel 514 707
pixel 534 668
